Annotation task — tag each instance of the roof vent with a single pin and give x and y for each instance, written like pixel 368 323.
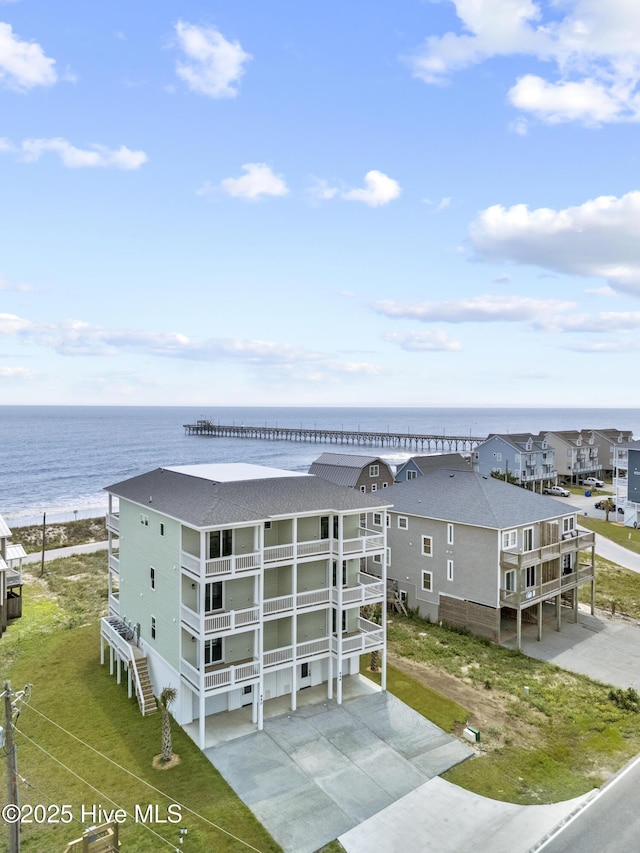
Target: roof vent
pixel 150 499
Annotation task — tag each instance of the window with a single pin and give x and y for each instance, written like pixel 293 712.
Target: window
pixel 427 581
pixel 566 564
pixel 153 627
pixel 530 576
pixel 220 543
pixel 384 485
pixel 374 470
pixel 212 651
pixel 509 538
pixel 449 534
pixel 427 546
pixel 324 527
pixel 449 570
pixel 388 556
pixel 377 519
pixel 267 525
pixel 377 558
pixel 388 520
pixel 527 539
pixel 403 522
pixel 411 475
pixel 144 519
pixel 568 524
pixel 510 581
pixel 334 577
pixel 213 597
pixel 334 618
pixel 374 487
pixel 152 577
pixel 162 528
pixel 363 489
pixel 498 457
pixel 404 597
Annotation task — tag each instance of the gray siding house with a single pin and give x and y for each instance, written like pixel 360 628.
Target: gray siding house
pixel 11 555
pixel 364 473
pixel 530 459
pixel 472 551
pixel 418 466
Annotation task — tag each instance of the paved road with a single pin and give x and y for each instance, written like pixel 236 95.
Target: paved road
pixel 608 822
pixel 56 553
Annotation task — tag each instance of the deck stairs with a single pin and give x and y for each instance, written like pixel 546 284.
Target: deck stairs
pixel 136 661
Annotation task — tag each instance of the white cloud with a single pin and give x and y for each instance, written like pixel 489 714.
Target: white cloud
pixel 320 190
pixel 444 203
pixel 16 373
pixel 436 340
pixel 598 238
pixel 259 181
pixel 212 66
pixel 78 158
pixel 478 309
pixel 23 64
pixel 5 284
pixel 606 321
pixel 379 189
pixel 593 48
pixel 605 347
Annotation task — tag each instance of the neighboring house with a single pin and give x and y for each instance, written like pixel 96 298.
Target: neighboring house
pixel 530 459
pixel 608 440
pixel 576 453
pixel 237 583
pixel 470 550
pixel 417 466
pixel 11 556
pixel 626 481
pixel 364 473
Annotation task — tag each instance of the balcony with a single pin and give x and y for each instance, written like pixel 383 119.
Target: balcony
pixel 284 655
pixel 517 558
pixel 224 622
pixel 114 605
pixel 539 592
pixel 369 590
pixel 302 601
pixel 236 565
pixel 114 564
pixel 368 638
pixel 220 677
pixel 113 522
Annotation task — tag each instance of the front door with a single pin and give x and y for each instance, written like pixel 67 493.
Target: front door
pixel 247 695
pixel 304 678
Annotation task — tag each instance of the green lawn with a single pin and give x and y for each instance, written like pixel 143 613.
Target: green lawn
pixel 55 646
pixel 565 736
pixel 628 537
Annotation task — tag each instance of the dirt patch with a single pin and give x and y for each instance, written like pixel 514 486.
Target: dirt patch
pixel 488 709
pixel 159 764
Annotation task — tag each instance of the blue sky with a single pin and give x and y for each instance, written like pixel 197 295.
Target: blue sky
pixel 320 203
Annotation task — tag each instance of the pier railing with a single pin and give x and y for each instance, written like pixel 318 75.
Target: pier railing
pixel 414 441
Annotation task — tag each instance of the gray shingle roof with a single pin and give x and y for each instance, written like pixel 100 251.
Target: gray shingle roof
pixel 205 503
pixel 468 498
pixel 344 469
pixel 436 461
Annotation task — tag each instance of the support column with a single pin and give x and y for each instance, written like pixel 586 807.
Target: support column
pixel 539 621
pixel 294 618
pixel 575 604
pixel 330 678
pixel 129 682
pixel 558 609
pixel 118 671
pixel 593 597
pixel 202 720
pixel 110 660
pixel 101 650
pixel 519 629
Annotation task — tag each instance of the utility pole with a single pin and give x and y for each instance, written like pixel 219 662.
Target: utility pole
pixel 44 538
pixel 12 703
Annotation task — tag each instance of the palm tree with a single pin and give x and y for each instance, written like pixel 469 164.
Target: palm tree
pixel 167 696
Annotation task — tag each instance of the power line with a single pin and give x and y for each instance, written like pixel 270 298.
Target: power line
pixel 143 781
pixel 93 788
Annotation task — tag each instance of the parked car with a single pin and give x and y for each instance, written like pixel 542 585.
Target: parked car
pixel 593 482
pixel 600 505
pixel 557 490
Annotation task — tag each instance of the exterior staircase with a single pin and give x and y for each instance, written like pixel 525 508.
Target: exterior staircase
pixel 144 694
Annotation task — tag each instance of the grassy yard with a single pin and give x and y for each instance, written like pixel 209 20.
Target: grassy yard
pixel 60 535
pixel 628 537
pixel 560 739
pixel 617 589
pixel 55 646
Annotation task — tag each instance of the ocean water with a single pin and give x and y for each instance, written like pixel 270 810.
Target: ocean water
pixel 58 459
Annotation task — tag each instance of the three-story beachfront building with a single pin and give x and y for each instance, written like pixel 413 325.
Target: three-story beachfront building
pixel 236 584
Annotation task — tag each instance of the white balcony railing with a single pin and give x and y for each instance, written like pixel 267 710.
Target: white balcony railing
pixel 229 620
pixel 236 564
pixel 367 638
pixel 224 677
pixel 313 597
pixel 114 564
pixel 309 648
pixel 114 605
pixel 277 605
pixel 113 522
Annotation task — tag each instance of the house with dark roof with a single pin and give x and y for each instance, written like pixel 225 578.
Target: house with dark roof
pixel 364 473
pixel 11 555
pixel 473 551
pixel 418 466
pixel 236 584
pixel 527 458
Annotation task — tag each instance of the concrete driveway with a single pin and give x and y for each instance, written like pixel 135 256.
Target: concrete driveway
pixel 314 774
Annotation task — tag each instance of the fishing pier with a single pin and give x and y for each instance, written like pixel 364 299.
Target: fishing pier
pixel 363 438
